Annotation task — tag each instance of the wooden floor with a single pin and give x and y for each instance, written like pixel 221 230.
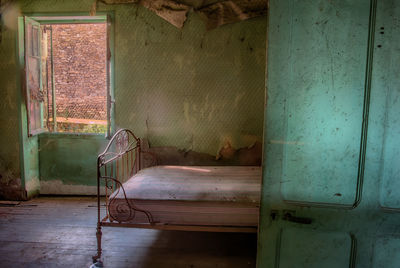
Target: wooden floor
pixel 60 232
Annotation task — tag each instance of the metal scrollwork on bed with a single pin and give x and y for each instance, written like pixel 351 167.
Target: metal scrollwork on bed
pixel 120 160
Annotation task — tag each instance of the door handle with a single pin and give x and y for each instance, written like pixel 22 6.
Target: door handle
pixel 289 217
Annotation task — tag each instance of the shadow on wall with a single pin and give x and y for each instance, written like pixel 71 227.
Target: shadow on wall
pixel 227 156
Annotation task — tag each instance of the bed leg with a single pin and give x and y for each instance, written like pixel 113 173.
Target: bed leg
pixel 97 259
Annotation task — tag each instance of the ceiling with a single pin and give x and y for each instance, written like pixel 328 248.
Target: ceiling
pixel 214 12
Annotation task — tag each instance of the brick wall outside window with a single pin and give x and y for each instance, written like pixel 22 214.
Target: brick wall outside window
pixel 79 52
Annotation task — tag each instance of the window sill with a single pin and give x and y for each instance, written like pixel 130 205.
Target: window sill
pixel 37 132
pixel 100 136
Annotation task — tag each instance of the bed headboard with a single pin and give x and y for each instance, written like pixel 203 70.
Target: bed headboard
pixel 119 161
pixel 122 144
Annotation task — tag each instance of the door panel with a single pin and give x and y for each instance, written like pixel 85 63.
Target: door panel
pixel 312 249
pixel 388 39
pixel 316 122
pixel 387 252
pixel 324 102
pixel 308 163
pixel 390 194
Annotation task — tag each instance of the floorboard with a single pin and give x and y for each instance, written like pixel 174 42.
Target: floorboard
pixel 60 232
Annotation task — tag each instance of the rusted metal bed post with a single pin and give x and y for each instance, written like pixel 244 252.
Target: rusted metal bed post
pixel 138 154
pixel 123 145
pixel 97 258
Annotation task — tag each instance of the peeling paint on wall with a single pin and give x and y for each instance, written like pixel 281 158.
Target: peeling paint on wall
pixel 227 155
pixel 225 12
pixel 32 187
pixel 195 90
pixel 12 189
pixel 214 13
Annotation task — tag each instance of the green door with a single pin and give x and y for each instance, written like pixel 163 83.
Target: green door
pixel 332 135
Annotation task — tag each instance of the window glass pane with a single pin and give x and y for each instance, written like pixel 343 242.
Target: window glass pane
pixel 35 95
pixel 33 75
pixel 28 36
pixel 35 41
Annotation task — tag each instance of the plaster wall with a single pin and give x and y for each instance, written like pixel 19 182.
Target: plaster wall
pixel 10 172
pixel 190 89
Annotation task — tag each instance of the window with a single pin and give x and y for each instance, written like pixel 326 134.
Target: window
pixel 68 71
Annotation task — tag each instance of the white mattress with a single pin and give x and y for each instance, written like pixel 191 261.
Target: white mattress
pixel 191 195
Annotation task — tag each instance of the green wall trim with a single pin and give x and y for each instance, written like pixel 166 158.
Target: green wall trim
pixel 99 136
pixel 70 159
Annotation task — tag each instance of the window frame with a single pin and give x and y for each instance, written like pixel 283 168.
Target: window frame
pixel 72 18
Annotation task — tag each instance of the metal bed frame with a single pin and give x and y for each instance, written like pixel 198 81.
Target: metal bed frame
pixel 120 160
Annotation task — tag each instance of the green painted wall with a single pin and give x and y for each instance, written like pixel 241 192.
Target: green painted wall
pixel 190 89
pixel 69 159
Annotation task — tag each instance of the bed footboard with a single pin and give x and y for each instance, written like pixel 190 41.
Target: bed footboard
pixel 120 160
